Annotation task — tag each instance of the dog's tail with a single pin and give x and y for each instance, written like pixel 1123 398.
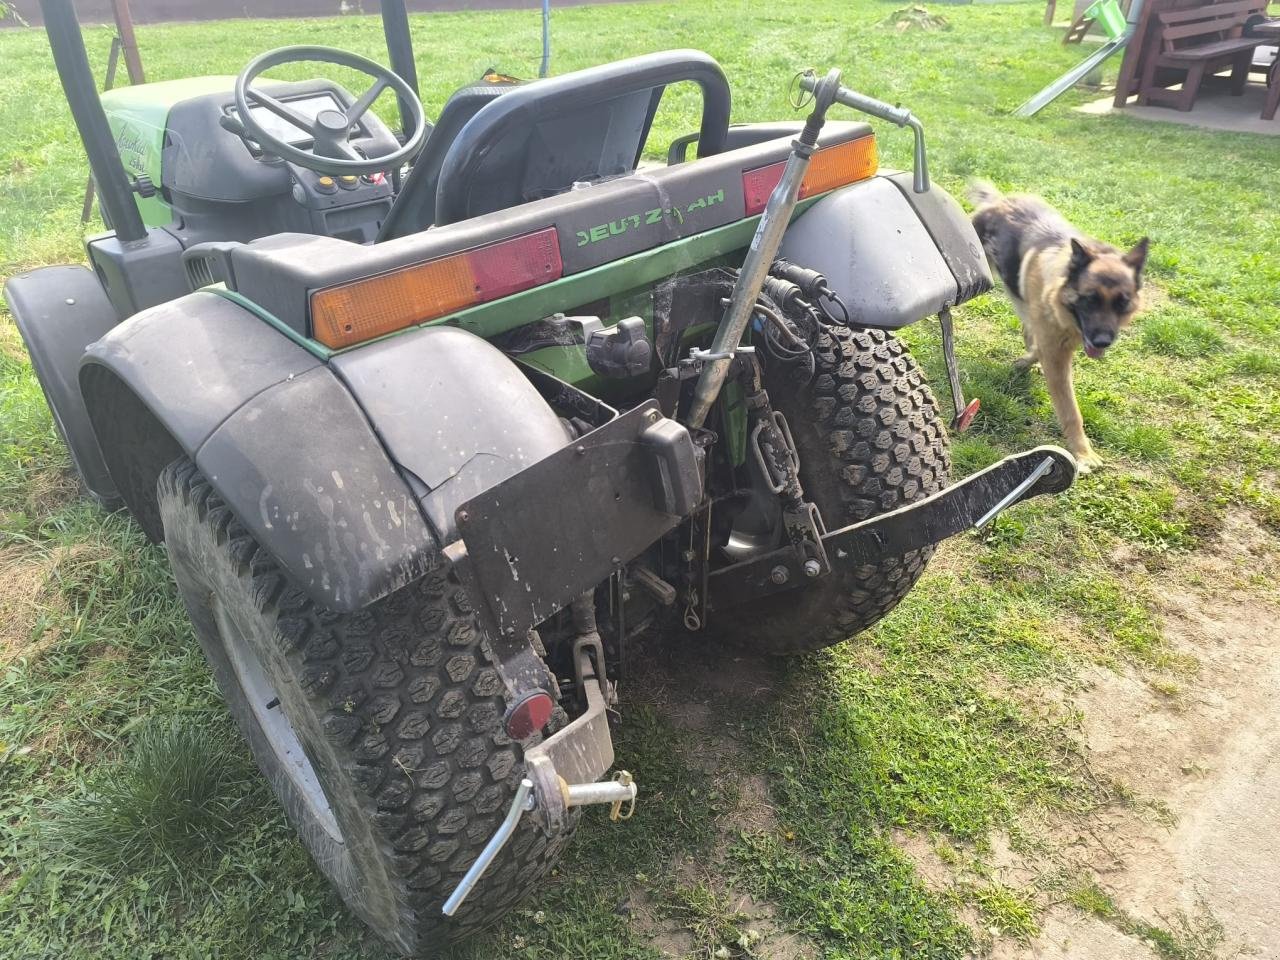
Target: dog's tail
pixel 982 193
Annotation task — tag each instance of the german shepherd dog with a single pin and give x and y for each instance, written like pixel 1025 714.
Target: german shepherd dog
pixel 1067 289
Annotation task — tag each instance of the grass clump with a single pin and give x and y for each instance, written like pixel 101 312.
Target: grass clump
pixel 173 801
pixel 1255 363
pixel 716 927
pixel 1185 937
pixel 847 885
pixel 1178 334
pixel 1141 510
pixel 1011 912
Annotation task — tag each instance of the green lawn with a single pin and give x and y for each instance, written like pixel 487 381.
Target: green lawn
pixel 944 723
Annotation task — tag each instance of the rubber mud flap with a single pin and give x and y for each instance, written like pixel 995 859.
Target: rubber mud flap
pixel 59 311
pixel 597 508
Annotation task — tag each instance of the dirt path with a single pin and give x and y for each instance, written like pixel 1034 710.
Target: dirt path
pixel 1204 761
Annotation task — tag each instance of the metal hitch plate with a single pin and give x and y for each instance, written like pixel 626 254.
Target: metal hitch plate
pixel 556 529
pixel 971 502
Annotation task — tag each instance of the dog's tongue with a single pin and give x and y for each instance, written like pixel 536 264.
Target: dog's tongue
pixel 1092 352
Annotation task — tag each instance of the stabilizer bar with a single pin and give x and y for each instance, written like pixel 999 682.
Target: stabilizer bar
pixel 972 502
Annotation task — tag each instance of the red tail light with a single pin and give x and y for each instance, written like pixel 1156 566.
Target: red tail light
pixel 529 715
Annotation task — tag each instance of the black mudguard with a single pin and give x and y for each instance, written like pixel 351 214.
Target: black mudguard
pixel 454 413
pixel 59 311
pixel 329 465
pixel 893 256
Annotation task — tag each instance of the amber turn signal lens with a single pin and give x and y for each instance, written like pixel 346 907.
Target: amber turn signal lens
pixel 375 306
pixel 830 167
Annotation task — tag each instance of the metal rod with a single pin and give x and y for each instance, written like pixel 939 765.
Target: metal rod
pixel 900 116
pixel 115 195
pixel 524 801
pixel 1073 76
pixel 545 67
pixel 761 254
pixel 128 42
pixel 763 250
pixel 113 60
pixel 920 171
pixel 395 28
pixel 1014 495
pixel 949 358
pixel 605 791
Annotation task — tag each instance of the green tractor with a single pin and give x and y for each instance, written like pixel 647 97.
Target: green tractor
pixel 431 421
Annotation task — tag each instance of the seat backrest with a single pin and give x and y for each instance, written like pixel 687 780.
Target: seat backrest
pixel 542 137
pixel 415 206
pixel 1216 20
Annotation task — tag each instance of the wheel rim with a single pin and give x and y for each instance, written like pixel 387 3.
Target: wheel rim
pixel 260 694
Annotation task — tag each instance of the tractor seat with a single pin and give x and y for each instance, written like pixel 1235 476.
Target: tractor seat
pixel 529 141
pixel 415 206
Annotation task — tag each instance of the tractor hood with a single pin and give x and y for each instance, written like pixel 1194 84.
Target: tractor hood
pixel 139 121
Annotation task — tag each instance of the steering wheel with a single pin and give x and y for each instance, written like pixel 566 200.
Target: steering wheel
pixel 331 151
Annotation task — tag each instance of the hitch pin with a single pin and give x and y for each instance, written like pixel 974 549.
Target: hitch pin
pixel 616 792
pixel 1014 495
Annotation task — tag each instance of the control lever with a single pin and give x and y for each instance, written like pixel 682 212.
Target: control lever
pixel 228 122
pixel 881 111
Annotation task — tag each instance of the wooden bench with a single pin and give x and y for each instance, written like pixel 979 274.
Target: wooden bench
pixel 1196 41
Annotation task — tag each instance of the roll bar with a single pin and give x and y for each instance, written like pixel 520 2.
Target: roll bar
pixel 115 193
pixel 395 27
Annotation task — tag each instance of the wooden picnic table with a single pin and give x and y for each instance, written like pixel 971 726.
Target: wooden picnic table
pixel 1196 42
pixel 1270 31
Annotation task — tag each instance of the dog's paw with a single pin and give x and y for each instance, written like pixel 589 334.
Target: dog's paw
pixel 1024 362
pixel 1087 462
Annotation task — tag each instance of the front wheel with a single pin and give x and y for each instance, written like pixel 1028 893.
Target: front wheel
pixel 870 440
pixel 379 731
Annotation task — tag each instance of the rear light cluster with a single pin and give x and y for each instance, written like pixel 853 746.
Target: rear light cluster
pixel 829 168
pixel 372 307
pixel 368 308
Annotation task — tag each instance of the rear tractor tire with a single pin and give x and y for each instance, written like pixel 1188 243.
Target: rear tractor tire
pixel 870 440
pixel 379 731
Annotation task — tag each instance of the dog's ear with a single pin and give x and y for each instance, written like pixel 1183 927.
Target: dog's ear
pixel 1081 257
pixel 1137 257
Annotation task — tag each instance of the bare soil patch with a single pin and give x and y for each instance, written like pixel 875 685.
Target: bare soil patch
pixel 1194 847
pixel 700 687
pixel 1198 853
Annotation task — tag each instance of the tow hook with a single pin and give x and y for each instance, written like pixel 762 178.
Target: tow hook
pixel 616 792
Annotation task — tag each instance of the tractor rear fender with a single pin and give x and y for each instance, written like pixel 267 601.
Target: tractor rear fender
pixel 893 256
pixel 454 413
pixel 334 467
pixel 59 311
